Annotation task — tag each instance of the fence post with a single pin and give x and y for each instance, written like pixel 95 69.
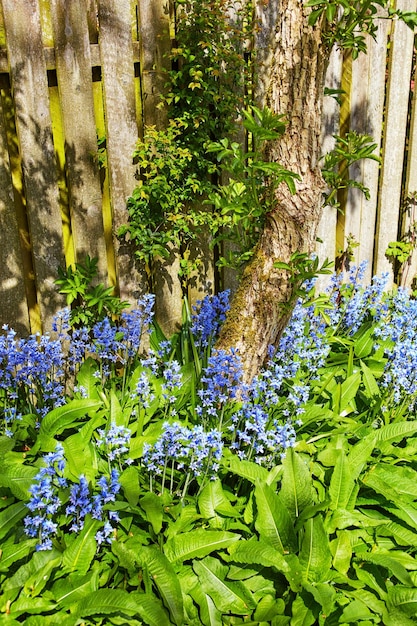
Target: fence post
pixel 33 123
pixel 155 46
pixel 116 52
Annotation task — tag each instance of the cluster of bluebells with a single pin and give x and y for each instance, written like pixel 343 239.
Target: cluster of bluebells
pixel 256 437
pixel 209 315
pixel 222 380
pixel 48 502
pixel 36 372
pixel 31 376
pixel 116 442
pixel 182 454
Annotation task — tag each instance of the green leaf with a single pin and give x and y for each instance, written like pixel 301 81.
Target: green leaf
pixel 302 614
pixel 342 551
pixel 213 501
pixel 349 389
pixel 197 543
pixel 315 556
pixel 369 381
pixel 227 596
pixel 18 478
pixel 209 613
pixel 79 458
pixel 341 483
pixel 165 579
pixel 153 507
pixel 403 598
pixel 12 553
pixel 80 553
pixel 253 552
pixel 360 454
pixel 396 431
pixel 390 562
pixel 245 469
pixel 57 420
pixel 297 486
pixel 355 612
pixel 273 522
pixel 10 517
pixel 69 590
pixel 109 601
pixel 393 481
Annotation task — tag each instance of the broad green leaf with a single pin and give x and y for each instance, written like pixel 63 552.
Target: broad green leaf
pixel 245 469
pixel 213 501
pixel 356 611
pixel 302 614
pixel 57 420
pixel 402 535
pixel 165 579
pixel 393 481
pixel 153 507
pixel 87 380
pixel 79 555
pixel 72 588
pixel 254 552
pixel 117 416
pixel 349 389
pixel 25 604
pixel 315 556
pixel 268 607
pixel 396 431
pixel 79 458
pixel 324 594
pixel 273 521
pixel 396 617
pixel 227 596
pixel 360 454
pixel 364 341
pixel 6 445
pixel 369 382
pixel 341 483
pixel 341 549
pixel 109 601
pixel 12 553
pixel 197 543
pixel 296 487
pixel 33 576
pixel 18 478
pixel 390 562
pixel 403 598
pixel 209 613
pixel 10 517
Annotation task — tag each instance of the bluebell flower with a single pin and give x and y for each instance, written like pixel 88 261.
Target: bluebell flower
pixel 209 315
pixel 80 504
pixel 116 440
pixel 172 380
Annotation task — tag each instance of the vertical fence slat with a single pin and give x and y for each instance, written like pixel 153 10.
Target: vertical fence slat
pixel 120 113
pixel 155 45
pixel 33 122
pixel 401 53
pixel 410 192
pixel 12 281
pixel 366 117
pixel 326 232
pixel 73 64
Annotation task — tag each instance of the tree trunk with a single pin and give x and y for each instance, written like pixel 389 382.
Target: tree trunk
pixel 291 61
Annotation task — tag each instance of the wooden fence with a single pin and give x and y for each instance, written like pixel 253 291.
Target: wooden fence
pixel 72 71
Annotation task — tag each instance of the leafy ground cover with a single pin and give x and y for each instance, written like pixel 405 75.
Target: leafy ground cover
pixel 156 488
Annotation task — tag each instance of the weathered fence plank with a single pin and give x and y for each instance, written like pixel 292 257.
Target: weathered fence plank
pixel 116 48
pixel 73 65
pixel 12 280
pixel 398 89
pixel 155 45
pixel 30 90
pixel 366 117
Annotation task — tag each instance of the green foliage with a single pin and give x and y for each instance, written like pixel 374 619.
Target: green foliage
pixel 326 534
pixel 347 151
pixel 89 303
pixel 347 23
pixel 195 178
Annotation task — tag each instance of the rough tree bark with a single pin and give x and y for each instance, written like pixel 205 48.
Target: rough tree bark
pixel 292 62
